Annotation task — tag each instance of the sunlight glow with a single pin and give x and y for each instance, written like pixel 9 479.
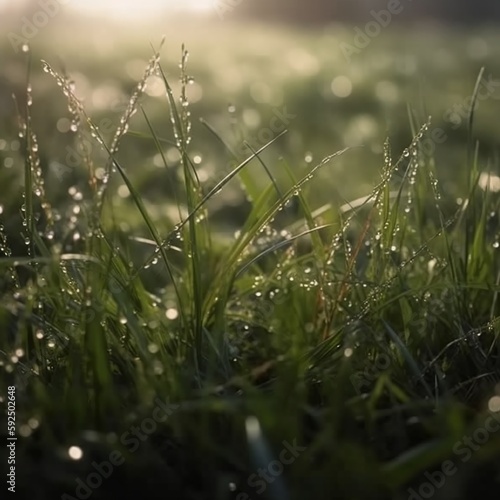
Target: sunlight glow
pixel 131 9
pixel 138 8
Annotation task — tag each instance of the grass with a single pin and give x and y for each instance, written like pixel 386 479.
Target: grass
pixel 362 335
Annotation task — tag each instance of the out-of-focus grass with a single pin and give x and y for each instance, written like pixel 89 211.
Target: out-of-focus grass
pixel 261 69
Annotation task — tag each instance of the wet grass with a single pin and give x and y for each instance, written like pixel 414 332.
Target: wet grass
pixel 338 350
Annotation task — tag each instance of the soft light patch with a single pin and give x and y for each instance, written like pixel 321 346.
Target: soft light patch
pixel 132 9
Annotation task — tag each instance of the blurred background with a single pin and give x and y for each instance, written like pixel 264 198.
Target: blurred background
pixel 333 73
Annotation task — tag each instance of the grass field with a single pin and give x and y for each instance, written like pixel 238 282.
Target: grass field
pixel 278 281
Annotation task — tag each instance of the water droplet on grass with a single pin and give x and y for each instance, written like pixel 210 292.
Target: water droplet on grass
pixel 153 348
pixel 171 313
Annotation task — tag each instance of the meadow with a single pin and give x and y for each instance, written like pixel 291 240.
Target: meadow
pixel 263 270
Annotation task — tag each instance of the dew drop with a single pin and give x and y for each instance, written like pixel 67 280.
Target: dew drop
pixel 75 452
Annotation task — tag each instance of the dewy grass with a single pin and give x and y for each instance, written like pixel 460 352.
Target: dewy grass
pixel 366 337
